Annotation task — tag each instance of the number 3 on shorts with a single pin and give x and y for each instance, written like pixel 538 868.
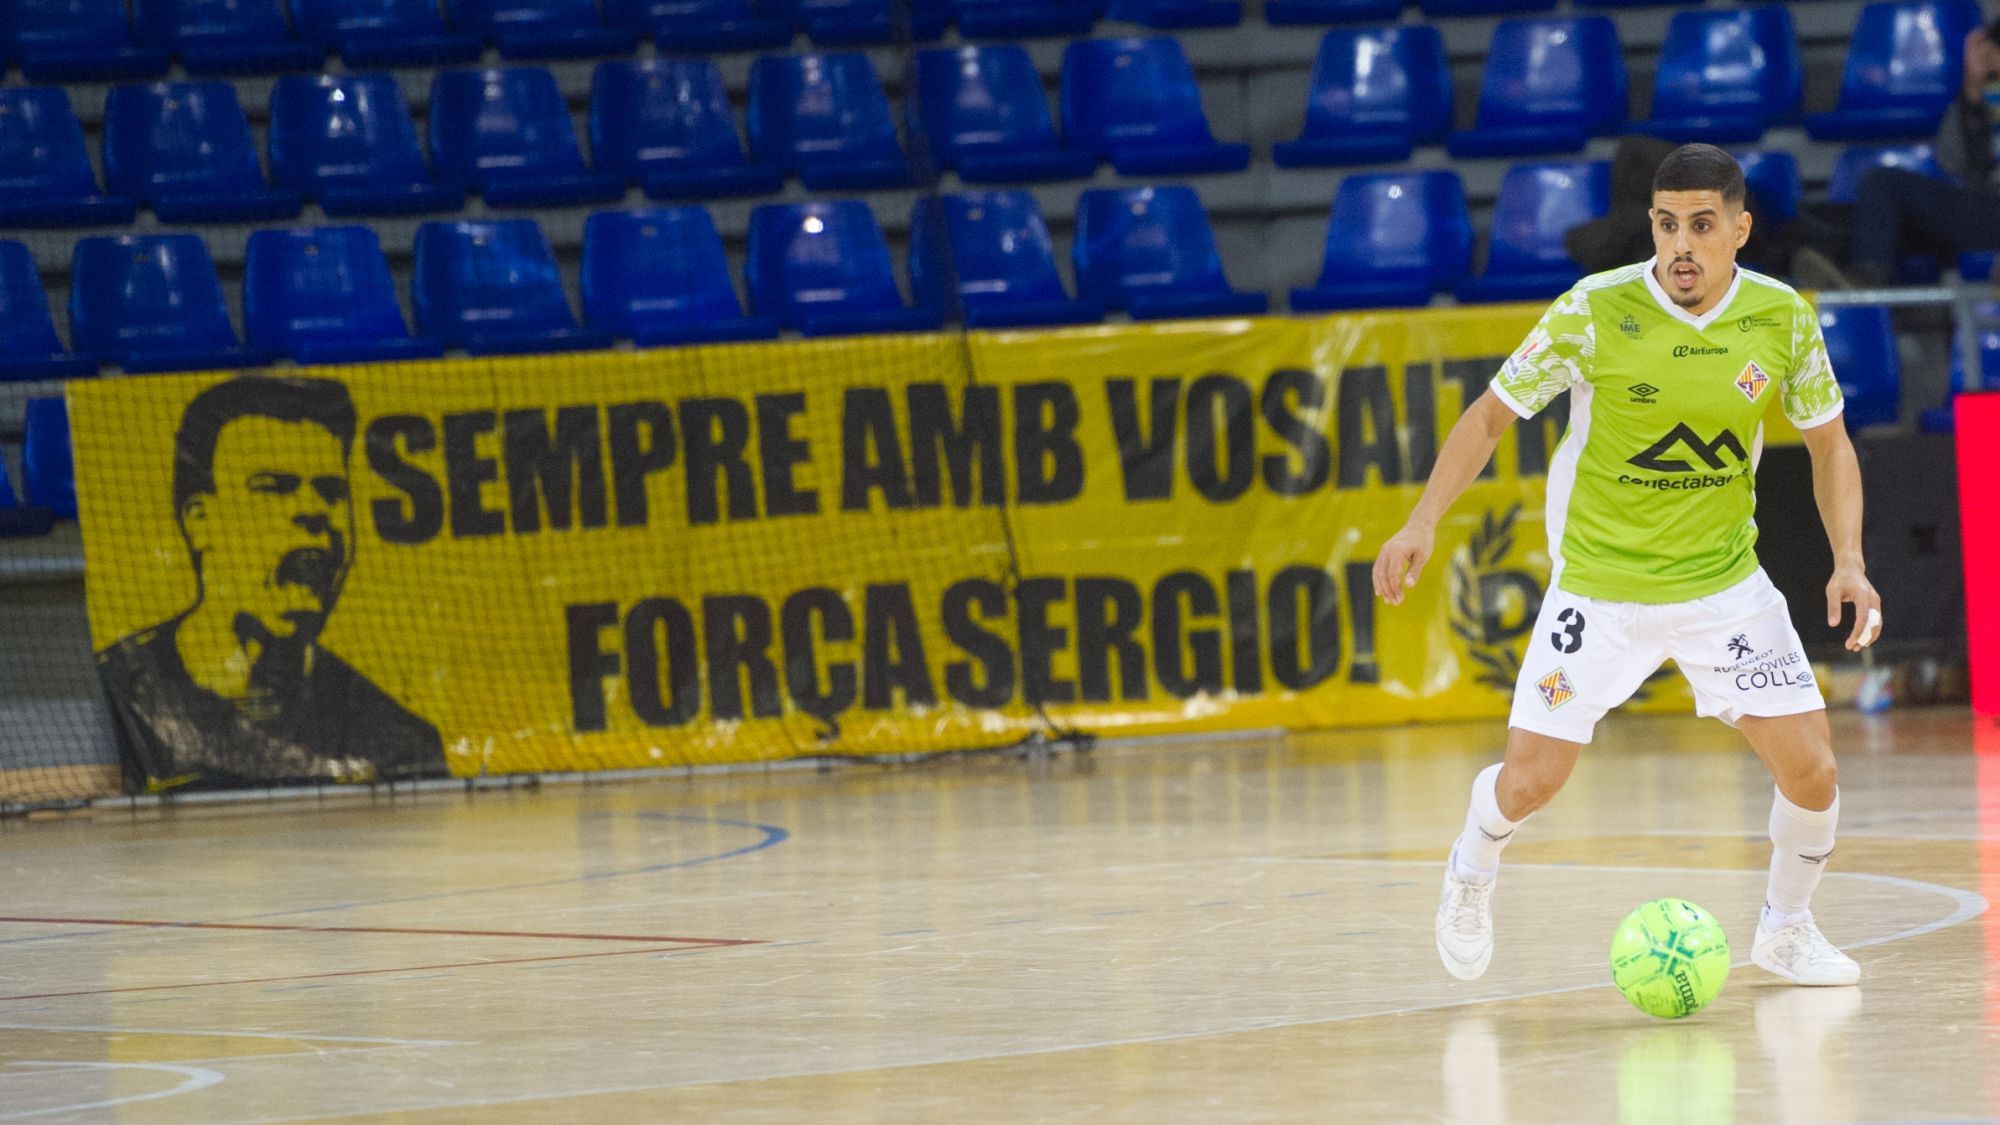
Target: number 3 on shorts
pixel 1570 637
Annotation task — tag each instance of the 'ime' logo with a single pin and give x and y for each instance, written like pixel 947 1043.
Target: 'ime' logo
pixel 1709 451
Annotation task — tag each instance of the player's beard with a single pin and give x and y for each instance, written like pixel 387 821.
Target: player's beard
pixel 1690 298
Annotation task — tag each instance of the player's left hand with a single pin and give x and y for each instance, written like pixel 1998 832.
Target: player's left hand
pixel 1850 586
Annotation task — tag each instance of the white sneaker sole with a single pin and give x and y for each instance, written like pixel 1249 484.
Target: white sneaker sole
pixel 1460 969
pixel 1758 959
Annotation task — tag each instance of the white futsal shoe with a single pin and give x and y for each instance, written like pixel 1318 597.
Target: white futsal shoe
pixel 1464 923
pixel 1801 954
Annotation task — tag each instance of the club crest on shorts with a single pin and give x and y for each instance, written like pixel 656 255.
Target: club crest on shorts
pixel 1556 689
pixel 1751 381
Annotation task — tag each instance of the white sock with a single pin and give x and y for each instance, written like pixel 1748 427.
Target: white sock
pixel 1801 841
pixel 1486 830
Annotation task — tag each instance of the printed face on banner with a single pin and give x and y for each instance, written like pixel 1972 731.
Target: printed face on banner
pixel 272 534
pixel 235 688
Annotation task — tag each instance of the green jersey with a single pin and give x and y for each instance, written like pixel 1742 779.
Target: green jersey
pixel 1652 491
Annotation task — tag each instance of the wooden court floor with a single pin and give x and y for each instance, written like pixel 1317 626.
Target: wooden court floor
pixel 1233 929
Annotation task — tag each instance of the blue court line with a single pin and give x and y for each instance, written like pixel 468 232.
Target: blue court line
pixel 771 836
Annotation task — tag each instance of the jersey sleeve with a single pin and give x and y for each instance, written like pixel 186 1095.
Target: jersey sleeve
pixel 1809 390
pixel 1555 357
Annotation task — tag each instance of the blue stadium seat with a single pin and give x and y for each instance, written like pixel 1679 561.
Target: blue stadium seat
pixel 1331 11
pixel 1550 85
pixel 858 23
pixel 666 124
pixel 1135 102
pixel 826 118
pixel 151 302
pixel 1377 93
pixel 1857 162
pixel 507 133
pixel 325 296
pixel 47 472
pixel 1174 15
pixel 1151 252
pixel 544 29
pixel 218 37
pixel 17 519
pixel 695 26
pixel 76 41
pixel 1391 241
pixel 1862 345
pixel 1538 203
pixel 990 254
pixel 1903 68
pixel 492 288
pixel 822 269
pixel 983 112
pixel 1977 265
pixel 1025 19
pixel 184 149
pixel 1434 9
pixel 29 347
pixel 45 173
pixel 1725 75
pixel 661 277
pixel 1774 177
pixel 346 142
pixel 384 32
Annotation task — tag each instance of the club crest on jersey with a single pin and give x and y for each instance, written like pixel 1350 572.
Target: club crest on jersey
pixel 1556 689
pixel 1752 381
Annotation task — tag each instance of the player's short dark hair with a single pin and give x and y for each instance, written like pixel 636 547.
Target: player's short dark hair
pixel 1699 167
pixel 322 402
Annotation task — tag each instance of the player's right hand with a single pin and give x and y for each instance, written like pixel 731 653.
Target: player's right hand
pixel 1401 560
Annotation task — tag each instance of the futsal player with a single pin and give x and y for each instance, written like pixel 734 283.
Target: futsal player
pixel 1670 365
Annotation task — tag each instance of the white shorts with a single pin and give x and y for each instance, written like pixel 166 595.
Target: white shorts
pixel 1737 648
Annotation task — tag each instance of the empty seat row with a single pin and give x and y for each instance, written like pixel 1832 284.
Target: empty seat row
pixel 661 276
pixel 349 143
pixel 101 40
pixel 325 295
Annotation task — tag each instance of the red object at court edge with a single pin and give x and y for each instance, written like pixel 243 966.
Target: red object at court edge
pixel 1978 427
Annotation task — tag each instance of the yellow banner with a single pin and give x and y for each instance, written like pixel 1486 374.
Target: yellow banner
pixel 880 545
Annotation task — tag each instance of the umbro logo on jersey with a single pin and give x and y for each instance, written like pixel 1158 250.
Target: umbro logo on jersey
pixel 1752 381
pixel 1682 351
pixel 1710 452
pixel 1643 392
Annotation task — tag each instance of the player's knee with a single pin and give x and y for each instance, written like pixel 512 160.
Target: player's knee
pixel 1812 781
pixel 1524 787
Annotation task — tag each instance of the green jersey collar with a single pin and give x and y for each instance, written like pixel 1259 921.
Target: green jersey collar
pixel 1667 303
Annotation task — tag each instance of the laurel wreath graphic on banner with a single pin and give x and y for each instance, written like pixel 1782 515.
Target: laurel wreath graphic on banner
pixel 1483 553
pixel 1488 547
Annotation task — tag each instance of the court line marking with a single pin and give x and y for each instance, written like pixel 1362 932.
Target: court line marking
pixel 300 1035
pixel 1968 905
pixel 772 835
pixel 359 972
pixel 159 924
pixel 195 1078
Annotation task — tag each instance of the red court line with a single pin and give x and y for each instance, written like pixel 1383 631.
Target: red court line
pixel 145 923
pixel 367 972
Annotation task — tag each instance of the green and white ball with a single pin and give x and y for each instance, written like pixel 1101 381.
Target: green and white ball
pixel 1669 958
